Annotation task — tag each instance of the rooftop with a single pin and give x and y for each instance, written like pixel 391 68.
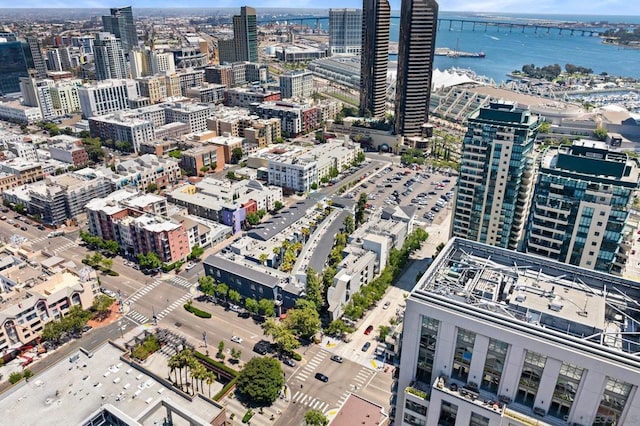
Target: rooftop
pixel 281 221
pixel 534 293
pixel 73 390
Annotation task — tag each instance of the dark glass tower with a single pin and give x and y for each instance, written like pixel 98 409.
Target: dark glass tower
pixel 121 24
pixel 418 24
pixel 13 65
pixel 376 16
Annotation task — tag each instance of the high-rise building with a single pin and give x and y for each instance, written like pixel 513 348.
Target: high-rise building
pixel 39 64
pixel 13 64
pixel 120 23
pixel 376 18
pixel 109 58
pixel 244 45
pixel 140 63
pixel 581 204
pixel 59 59
pixel 296 84
pixel 496 337
pixel 416 46
pixel 162 62
pixel 37 93
pixel 496 175
pixel 345 31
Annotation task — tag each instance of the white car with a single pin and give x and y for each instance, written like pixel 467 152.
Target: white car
pixel 236 339
pixel 190 266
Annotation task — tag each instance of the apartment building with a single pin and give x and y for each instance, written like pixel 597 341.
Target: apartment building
pixel 194 160
pixel 144 170
pixel 296 119
pixel 26 171
pixel 207 93
pixel 24 313
pixel 194 115
pixel 107 96
pixel 345 31
pixel 296 84
pixel 68 149
pixel 243 97
pixel 581 204
pixel 495 337
pixel 153 87
pixel 121 127
pixel 496 175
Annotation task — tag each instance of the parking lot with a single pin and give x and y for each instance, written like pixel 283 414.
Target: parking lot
pixel 429 190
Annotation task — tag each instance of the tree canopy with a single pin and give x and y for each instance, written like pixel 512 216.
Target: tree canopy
pixel 261 380
pixel 149 261
pixel 315 418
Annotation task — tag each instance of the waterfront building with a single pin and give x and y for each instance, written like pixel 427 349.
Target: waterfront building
pixel 296 84
pixel 244 44
pixel 376 18
pixel 345 31
pixel 496 337
pixel 496 175
pixel 416 47
pixel 109 58
pixel 120 23
pixel 581 204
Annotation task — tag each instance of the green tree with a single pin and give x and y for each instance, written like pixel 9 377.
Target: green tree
pixel 333 172
pixel 177 154
pixel 304 320
pixel 314 186
pixel 20 208
pixel 545 127
pixel 152 187
pixel 349 225
pixel 314 288
pixel 149 261
pixel 231 175
pixel 110 246
pixel 220 353
pixel 236 155
pixel 27 374
pixel 234 296
pixel 15 377
pixel 383 332
pixel 222 290
pixel 600 133
pixel 278 205
pixel 267 307
pixel 253 218
pixel 263 258
pixel 338 328
pixel 281 334
pixel 251 305
pixel 102 304
pixel 315 418
pixel 107 263
pixel 261 380
pixel 360 208
pixel 207 285
pixel 196 252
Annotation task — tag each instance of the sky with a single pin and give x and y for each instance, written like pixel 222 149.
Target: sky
pixel 582 7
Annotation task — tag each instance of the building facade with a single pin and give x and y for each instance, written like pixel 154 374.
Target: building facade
pixel 416 47
pixel 13 64
pixel 121 24
pixel 109 58
pixel 296 84
pixel 487 341
pixel 376 19
pixel 345 31
pixel 244 44
pixel 580 206
pixel 107 97
pixel 496 176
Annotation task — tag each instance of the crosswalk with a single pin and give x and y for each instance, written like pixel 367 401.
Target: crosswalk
pixel 313 363
pixel 144 290
pixel 309 401
pixel 62 248
pixel 180 282
pixel 37 240
pixel 137 317
pixel 357 383
pixel 181 301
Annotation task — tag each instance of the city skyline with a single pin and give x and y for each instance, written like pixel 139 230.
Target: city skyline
pixel 607 8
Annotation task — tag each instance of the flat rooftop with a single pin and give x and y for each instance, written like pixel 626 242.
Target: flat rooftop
pixel 535 292
pixel 72 390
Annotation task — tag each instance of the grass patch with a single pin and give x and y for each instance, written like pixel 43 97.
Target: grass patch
pixel 197 312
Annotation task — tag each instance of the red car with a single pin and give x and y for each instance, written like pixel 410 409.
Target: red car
pixel 368 330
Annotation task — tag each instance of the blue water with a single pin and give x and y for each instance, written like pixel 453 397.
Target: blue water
pixel 508 51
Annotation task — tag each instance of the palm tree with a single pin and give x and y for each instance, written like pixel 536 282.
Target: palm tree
pixel 263 258
pixel 210 378
pixel 174 364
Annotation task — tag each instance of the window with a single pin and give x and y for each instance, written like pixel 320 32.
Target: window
pixel 613 402
pixel 448 412
pixel 565 390
pixel 478 420
pixel 415 407
pixel 530 378
pixel 494 364
pixel 426 352
pixel 463 354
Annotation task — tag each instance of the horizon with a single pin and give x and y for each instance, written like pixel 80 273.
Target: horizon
pixel 519 7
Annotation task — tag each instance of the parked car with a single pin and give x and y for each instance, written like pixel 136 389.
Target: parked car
pixel 336 358
pixel 366 346
pixel 322 377
pixel 190 265
pixel 368 330
pixel 236 339
pixel 386 305
pixel 289 362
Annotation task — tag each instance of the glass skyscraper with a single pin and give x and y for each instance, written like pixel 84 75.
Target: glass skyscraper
pixel 496 175
pixel 580 205
pixel 13 65
pixel 376 18
pixel 120 23
pixel 345 31
pixel 244 44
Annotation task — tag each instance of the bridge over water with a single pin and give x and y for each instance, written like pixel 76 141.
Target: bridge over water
pixel 469 24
